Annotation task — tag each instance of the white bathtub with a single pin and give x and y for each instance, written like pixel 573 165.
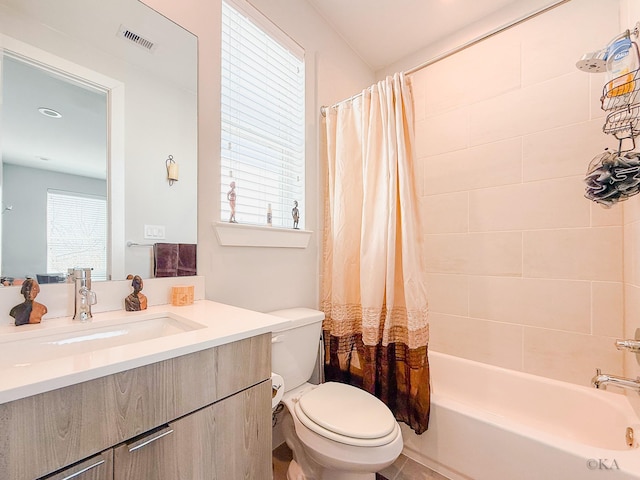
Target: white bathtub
pixel 490 423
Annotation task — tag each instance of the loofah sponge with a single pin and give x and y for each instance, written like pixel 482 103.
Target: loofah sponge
pixel 613 178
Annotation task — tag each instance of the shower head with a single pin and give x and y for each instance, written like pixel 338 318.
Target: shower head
pixel 593 62
pixel 596 62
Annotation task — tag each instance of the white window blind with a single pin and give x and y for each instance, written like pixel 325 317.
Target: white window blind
pixel 76 233
pixel 262 110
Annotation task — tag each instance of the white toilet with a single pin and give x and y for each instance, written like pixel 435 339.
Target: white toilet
pixel 336 431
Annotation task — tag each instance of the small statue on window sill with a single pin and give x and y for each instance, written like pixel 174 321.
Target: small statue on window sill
pixel 231 196
pixel 29 311
pixel 137 300
pixel 295 213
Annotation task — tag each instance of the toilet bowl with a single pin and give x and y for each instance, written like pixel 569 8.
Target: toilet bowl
pixel 335 431
pixel 339 440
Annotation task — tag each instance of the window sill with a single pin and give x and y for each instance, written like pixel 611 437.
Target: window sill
pixel 240 235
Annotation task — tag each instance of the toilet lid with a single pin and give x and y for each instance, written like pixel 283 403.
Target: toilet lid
pixel 347 411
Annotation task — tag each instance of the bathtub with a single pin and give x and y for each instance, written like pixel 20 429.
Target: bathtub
pixel 490 423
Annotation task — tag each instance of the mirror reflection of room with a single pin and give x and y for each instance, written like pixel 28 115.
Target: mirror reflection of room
pixel 148 111
pixel 54 171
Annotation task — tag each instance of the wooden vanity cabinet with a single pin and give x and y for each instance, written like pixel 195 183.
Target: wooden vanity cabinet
pixel 205 415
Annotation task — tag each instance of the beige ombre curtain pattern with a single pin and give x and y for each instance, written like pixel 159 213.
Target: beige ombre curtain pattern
pixel 373 295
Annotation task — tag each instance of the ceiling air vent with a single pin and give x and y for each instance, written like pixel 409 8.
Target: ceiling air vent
pixel 139 40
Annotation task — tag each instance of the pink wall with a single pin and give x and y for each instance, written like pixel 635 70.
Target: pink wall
pixel 523 271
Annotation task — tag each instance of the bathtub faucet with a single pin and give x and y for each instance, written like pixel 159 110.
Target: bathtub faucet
pixel 631 345
pixel 602 380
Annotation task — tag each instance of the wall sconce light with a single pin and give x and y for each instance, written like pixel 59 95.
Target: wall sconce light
pixel 172 170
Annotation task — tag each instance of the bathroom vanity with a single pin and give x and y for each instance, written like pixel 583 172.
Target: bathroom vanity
pixel 192 404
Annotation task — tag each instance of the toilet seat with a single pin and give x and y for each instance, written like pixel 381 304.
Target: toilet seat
pixel 346 414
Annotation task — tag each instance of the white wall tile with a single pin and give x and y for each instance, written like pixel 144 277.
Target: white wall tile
pixel 632 253
pixel 632 323
pixel 448 294
pixel 568 33
pixel 480 72
pixel 571 357
pixel 631 209
pixel 497 253
pixel 606 217
pixel 554 304
pixel 444 133
pixel 492 164
pixel 563 151
pixel 526 206
pixel 447 213
pixel 557 102
pixel 629 13
pixel 496 119
pixel 483 341
pixel 596 90
pixel 538 262
pixel 577 253
pixel 607 309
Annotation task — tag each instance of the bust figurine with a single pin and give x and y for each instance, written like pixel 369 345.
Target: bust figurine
pixel 137 300
pixel 29 311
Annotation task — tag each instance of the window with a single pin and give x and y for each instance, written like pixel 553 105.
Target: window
pixel 76 232
pixel 262 110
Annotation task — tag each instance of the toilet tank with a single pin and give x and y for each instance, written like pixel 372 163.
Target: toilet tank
pixel 294 346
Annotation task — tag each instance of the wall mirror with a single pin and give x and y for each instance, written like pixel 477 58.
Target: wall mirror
pixel 95 97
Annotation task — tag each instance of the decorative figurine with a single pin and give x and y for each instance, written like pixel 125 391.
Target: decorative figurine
pixel 29 311
pixel 136 301
pixel 231 196
pixel 295 213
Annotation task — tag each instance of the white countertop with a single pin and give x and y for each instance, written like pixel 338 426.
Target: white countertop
pixel 219 324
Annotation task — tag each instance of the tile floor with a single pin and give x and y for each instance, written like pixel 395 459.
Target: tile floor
pixel 403 469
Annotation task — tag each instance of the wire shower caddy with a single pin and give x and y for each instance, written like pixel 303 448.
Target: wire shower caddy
pixel 620 99
pixel 615 176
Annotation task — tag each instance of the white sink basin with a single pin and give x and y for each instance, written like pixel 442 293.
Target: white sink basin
pixel 49 344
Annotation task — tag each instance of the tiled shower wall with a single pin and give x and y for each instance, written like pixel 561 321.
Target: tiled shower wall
pixel 523 271
pixel 630 15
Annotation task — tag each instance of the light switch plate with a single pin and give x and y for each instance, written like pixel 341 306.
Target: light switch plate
pixel 154 232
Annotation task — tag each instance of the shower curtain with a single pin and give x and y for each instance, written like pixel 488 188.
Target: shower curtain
pixel 373 295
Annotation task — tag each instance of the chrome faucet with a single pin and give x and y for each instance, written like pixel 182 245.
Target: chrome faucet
pixel 84 296
pixel 602 380
pixel 631 345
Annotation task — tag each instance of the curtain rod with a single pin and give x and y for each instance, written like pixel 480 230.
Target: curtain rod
pixel 464 46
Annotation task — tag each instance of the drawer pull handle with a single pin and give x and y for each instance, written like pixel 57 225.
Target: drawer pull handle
pixel 146 441
pixel 74 475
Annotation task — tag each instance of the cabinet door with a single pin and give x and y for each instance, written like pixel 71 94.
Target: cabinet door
pixel 98 467
pixel 151 456
pixel 229 440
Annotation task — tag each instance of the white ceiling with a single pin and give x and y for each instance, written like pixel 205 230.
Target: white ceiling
pixel 383 32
